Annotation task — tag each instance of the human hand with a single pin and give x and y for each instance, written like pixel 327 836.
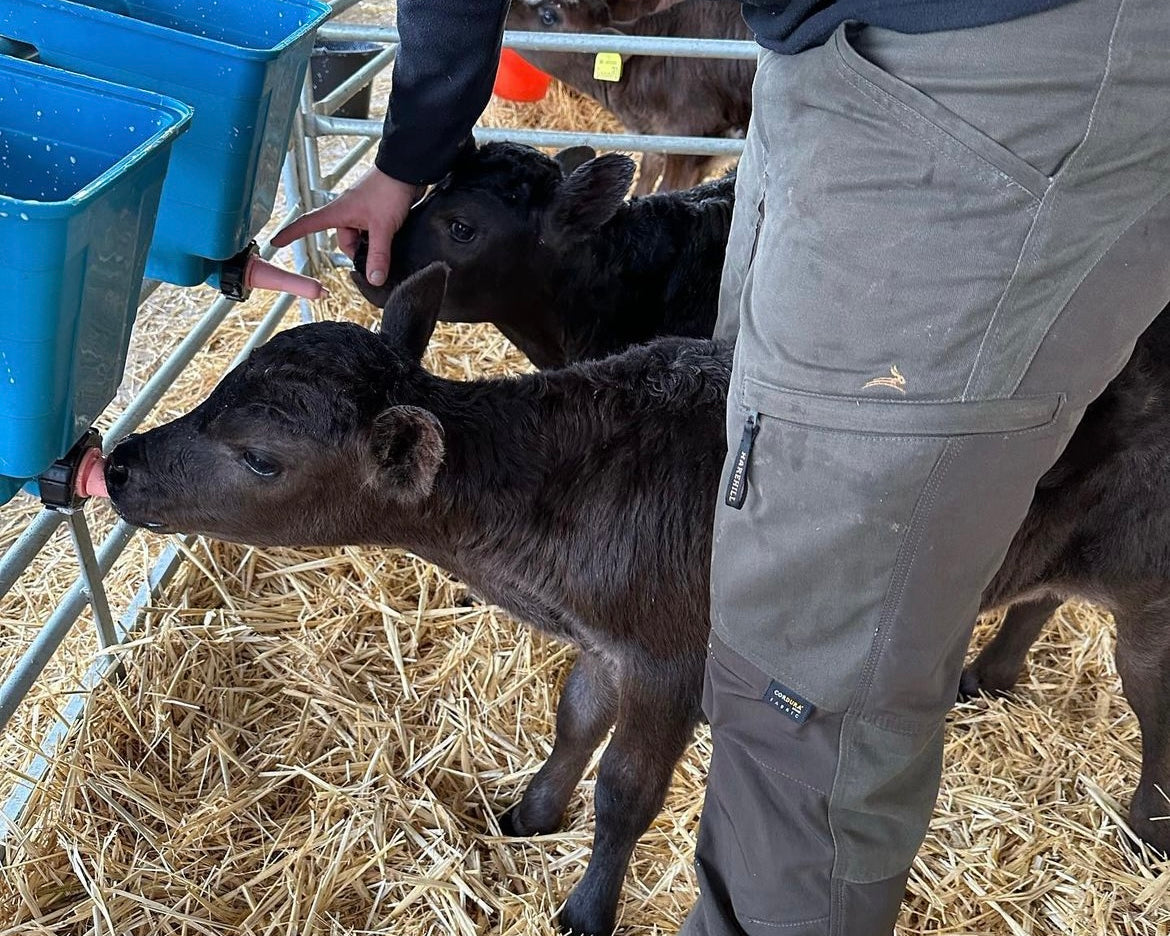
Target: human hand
pixel 377 204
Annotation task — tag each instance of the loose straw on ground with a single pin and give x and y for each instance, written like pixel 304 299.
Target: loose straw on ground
pixel 317 743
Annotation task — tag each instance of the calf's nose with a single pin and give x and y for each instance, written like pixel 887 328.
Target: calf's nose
pixel 126 455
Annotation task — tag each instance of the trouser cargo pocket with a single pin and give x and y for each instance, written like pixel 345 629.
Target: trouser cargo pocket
pixel 820 497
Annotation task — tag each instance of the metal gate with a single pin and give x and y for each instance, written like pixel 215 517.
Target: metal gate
pixel 305 186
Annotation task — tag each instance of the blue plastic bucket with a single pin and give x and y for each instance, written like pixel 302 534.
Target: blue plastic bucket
pixel 82 164
pixel 239 63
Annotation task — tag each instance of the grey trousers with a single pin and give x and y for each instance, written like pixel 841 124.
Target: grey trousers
pixel 945 246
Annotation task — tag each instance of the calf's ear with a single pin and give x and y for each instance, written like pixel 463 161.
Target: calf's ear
pixel 572 158
pixel 466 152
pixel 412 310
pixel 407 445
pixel 589 197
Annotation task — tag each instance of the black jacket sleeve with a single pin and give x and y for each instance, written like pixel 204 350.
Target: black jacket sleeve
pixel 443 76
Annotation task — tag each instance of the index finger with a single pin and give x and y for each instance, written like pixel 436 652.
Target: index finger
pixel 320 219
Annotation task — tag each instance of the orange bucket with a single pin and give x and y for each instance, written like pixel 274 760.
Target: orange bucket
pixel 518 80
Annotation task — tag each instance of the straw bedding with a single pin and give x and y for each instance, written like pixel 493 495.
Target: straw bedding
pixel 315 743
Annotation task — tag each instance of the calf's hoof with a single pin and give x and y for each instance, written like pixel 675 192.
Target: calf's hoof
pixel 975 683
pixel 507 823
pixel 1149 817
pixel 580 919
pixel 514 825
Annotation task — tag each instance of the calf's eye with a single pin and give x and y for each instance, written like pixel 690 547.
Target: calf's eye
pixel 548 16
pixel 461 232
pixel 258 464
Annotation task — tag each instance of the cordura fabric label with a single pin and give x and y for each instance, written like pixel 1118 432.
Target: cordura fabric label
pixel 788 702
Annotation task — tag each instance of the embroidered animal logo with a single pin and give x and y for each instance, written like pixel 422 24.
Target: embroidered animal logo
pixel 895 380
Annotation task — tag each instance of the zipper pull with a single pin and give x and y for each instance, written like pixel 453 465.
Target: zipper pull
pixel 737 485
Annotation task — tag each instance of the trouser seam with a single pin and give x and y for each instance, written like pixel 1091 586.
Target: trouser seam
pixel 892 105
pixel 785 925
pixel 778 772
pixel 1156 200
pixel 1106 72
pixel 1021 259
pixel 1055 194
pixel 1055 190
pixel 902 565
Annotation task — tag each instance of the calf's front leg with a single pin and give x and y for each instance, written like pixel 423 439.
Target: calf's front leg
pixel 587 708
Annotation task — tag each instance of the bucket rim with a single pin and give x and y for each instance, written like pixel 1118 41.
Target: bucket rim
pixel 317 10
pixel 341 47
pixel 177 114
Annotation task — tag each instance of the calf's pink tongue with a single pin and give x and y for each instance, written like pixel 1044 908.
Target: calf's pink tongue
pixel 91 475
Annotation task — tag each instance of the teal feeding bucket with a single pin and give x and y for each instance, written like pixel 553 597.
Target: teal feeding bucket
pixel 239 63
pixel 82 164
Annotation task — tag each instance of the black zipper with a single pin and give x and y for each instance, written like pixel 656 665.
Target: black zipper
pixel 737 484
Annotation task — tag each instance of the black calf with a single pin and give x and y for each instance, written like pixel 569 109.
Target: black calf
pixel 552 254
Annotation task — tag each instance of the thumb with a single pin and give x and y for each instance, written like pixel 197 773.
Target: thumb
pixel 378 255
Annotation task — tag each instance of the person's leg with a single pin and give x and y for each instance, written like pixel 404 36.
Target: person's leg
pixel 946 271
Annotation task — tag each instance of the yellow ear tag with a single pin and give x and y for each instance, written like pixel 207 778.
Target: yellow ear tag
pixel 607 66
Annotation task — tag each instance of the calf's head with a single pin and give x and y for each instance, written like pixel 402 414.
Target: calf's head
pixel 306 442
pixel 506 220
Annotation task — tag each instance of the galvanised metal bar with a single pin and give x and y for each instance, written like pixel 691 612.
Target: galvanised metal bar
pixel 17 557
pixel 262 332
pixel 148 288
pixel 355 82
pixel 671 46
pixel 307 172
pixel 160 381
pixel 340 6
pixel 53 631
pixel 300 254
pixel 157 579
pixel 346 163
pixel 92 587
pixel 318 123
pixel 645 143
